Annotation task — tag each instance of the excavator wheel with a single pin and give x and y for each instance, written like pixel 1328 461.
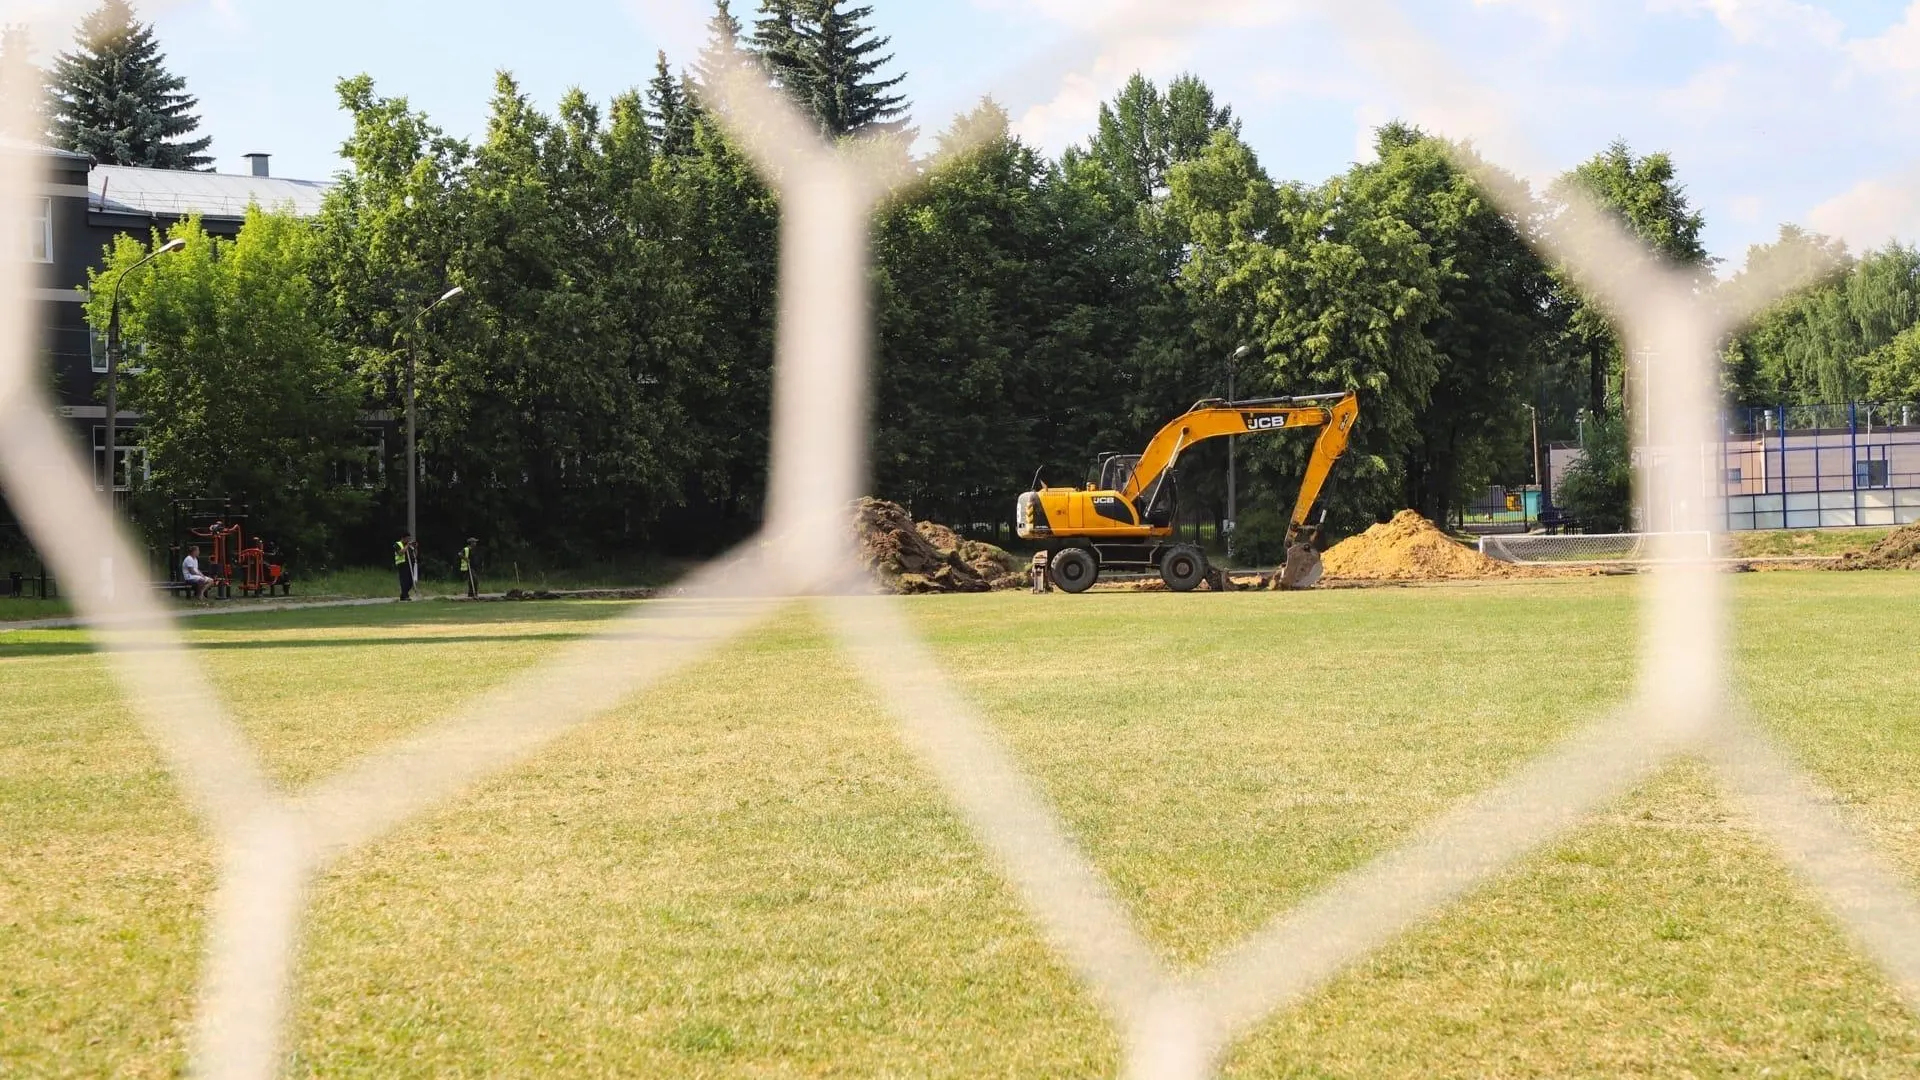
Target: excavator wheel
pixel 1183 568
pixel 1075 570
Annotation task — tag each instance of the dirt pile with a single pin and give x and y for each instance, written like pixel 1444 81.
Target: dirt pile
pixel 1410 548
pixel 927 558
pixel 1001 568
pixel 1898 550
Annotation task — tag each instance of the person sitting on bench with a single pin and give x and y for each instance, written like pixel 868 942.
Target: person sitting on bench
pixel 190 573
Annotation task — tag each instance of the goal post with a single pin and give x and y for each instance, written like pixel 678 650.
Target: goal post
pixel 1623 548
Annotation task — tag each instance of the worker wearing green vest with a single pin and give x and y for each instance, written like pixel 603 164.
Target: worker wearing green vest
pixel 404 557
pixel 470 568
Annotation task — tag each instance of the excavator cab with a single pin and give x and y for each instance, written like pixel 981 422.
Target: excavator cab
pixel 1111 471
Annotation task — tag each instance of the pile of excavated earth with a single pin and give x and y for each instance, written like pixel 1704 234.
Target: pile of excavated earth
pixel 1899 550
pixel 1411 548
pixel 911 558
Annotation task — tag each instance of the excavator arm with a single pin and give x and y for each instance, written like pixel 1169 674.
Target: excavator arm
pixel 1334 413
pixel 1327 450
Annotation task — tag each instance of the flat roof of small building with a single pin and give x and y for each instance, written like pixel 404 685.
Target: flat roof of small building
pixel 122 189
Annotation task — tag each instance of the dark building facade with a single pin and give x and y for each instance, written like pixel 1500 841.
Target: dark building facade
pixel 78 211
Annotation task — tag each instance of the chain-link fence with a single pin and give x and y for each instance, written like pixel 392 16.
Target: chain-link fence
pixel 1172 1023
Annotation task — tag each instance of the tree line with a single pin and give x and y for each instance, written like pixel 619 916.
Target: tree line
pixel 603 385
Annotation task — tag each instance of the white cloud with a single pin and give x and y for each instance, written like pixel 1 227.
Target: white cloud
pixel 1785 23
pixel 1895 54
pixel 1873 212
pixel 1135 35
pixel 1561 17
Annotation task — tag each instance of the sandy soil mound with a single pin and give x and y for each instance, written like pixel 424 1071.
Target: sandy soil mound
pixel 1410 548
pixel 1899 550
pixel 928 558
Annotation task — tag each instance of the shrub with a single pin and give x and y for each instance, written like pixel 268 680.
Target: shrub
pixel 1598 489
pixel 1260 537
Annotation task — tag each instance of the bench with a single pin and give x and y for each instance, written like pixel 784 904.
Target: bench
pixel 30 586
pixel 1555 521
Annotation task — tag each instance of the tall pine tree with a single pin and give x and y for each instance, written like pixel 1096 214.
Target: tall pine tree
pixel 23 94
pixel 670 113
pixel 823 54
pixel 849 96
pixel 113 98
pixel 722 50
pixel 776 44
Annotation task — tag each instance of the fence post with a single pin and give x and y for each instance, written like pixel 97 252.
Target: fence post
pixel 1784 486
pixel 1853 454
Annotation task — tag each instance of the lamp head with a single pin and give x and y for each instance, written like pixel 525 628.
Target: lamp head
pixel 456 291
pixel 175 244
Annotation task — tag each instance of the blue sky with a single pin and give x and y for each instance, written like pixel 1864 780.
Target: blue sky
pixel 1777 110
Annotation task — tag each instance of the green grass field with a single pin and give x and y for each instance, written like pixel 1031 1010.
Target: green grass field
pixel 746 874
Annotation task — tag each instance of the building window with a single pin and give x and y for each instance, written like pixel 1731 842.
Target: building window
pixel 130 458
pixel 1733 476
pixel 1872 471
pixel 32 233
pixel 132 355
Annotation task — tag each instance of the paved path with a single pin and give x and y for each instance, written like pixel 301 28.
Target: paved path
pixel 237 609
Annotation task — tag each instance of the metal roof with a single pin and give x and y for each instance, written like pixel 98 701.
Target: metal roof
pixel 11 145
pixel 120 189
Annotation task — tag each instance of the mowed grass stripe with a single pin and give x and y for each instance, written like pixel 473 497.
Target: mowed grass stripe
pixel 745 874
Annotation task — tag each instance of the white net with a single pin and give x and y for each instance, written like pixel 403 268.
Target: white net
pixel 1598 548
pixel 1172 1023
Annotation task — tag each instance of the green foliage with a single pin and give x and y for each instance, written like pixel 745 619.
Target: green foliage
pixel 723 48
pixel 825 55
pixel 1598 489
pixel 1645 196
pixel 1142 133
pixel 670 111
pixel 1827 341
pixel 113 98
pixel 23 88
pixel 603 387
pixel 1400 280
pixel 1893 370
pixel 1260 537
pixel 244 393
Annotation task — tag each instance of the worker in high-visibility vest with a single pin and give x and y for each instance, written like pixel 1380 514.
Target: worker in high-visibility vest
pixel 470 568
pixel 403 564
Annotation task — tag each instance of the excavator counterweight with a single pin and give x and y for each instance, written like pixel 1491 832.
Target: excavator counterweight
pixel 1124 517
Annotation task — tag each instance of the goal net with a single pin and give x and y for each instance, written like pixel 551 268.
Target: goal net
pixel 1599 548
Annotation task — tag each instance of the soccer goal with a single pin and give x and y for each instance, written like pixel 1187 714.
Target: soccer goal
pixel 1624 548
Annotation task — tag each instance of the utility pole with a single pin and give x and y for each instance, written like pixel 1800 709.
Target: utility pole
pixel 1233 506
pixel 413 454
pixel 1536 444
pixel 113 400
pixel 113 361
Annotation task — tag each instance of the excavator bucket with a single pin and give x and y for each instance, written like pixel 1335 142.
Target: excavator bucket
pixel 1303 569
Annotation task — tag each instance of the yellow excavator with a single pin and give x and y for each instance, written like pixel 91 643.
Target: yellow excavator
pixel 1124 516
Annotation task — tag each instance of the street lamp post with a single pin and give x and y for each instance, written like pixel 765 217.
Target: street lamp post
pixel 113 357
pixel 413 461
pixel 1233 508
pixel 1536 443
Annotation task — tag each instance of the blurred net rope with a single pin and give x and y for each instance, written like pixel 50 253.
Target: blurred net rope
pixel 1174 1024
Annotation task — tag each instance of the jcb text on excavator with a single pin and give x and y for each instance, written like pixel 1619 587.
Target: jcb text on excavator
pixel 1124 516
